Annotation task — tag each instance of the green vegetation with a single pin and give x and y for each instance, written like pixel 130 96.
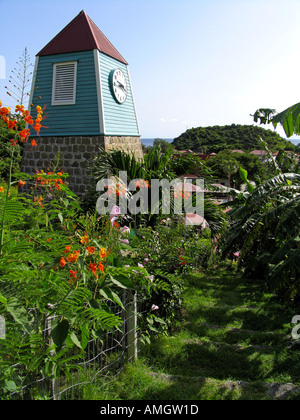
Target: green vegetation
pixel 225 165
pixel 218 302
pixel 265 229
pixel 289 119
pixel 229 137
pixel 231 345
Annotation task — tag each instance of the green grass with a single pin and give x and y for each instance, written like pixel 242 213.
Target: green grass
pixel 231 331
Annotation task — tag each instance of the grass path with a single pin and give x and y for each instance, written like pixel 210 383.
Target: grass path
pixel 234 343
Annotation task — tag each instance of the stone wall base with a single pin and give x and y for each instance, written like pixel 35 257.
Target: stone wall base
pixel 75 155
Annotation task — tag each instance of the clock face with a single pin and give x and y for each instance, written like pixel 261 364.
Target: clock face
pixel 119 85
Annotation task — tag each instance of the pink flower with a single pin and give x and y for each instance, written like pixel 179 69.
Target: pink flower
pixel 115 211
pixel 125 241
pixel 140 265
pixel 125 229
pixel 151 279
pixel 113 219
pixel 154 308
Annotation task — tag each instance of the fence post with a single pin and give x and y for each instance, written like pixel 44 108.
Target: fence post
pixel 54 383
pixel 131 321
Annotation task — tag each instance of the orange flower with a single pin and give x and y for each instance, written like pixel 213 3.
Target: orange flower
pixel 68 249
pixel 37 127
pixel 73 257
pixel 12 124
pixel 13 142
pixel 19 108
pixel 4 111
pixel 38 200
pixel 29 120
pixel 102 253
pixel 62 262
pixel 72 276
pixel 93 268
pixel 21 183
pixel 24 134
pixel 1 189
pixel 57 186
pixel 90 250
pixel 38 119
pixel 101 267
pixel 33 142
pixel 140 183
pixel 5 119
pixel 84 239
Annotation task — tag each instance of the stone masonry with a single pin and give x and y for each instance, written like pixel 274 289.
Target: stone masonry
pixel 76 155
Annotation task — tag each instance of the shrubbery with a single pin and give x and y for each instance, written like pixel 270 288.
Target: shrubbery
pixel 60 267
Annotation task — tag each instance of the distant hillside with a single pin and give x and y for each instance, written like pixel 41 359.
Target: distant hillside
pixel 231 137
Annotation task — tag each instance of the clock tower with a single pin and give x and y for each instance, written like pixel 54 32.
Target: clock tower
pixel 84 84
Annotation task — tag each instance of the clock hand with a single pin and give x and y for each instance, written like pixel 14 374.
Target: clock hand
pixel 121 86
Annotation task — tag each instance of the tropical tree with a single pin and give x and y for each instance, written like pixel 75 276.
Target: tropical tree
pixel 265 231
pixel 156 165
pixel 265 222
pixel 289 118
pixel 230 167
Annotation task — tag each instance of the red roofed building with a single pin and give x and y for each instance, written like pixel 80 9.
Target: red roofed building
pixel 81 34
pixel 82 82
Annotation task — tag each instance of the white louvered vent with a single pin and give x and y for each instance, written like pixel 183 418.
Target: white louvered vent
pixel 64 83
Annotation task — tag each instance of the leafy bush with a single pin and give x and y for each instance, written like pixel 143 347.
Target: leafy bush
pixel 169 251
pixel 59 269
pixel 265 232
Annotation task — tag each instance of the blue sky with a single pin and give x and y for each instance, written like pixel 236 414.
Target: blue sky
pixel 192 62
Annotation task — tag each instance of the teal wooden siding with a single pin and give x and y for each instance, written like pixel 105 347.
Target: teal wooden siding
pixel 119 119
pixel 82 118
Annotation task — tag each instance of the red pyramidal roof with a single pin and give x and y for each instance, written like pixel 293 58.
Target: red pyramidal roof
pixel 81 34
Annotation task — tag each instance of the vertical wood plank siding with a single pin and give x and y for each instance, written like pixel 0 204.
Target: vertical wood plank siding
pixel 119 119
pixel 78 119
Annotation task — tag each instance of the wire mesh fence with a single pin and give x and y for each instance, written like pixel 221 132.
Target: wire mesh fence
pixel 103 355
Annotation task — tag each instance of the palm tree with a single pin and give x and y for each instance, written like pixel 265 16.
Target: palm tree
pixel 155 165
pixel 107 164
pixel 230 167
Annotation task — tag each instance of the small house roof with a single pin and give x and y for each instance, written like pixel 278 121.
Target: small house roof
pixel 81 34
pixel 196 219
pixel 258 152
pixel 189 176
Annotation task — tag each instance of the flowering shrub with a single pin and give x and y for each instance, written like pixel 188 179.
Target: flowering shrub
pixel 59 269
pixel 169 251
pixel 13 122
